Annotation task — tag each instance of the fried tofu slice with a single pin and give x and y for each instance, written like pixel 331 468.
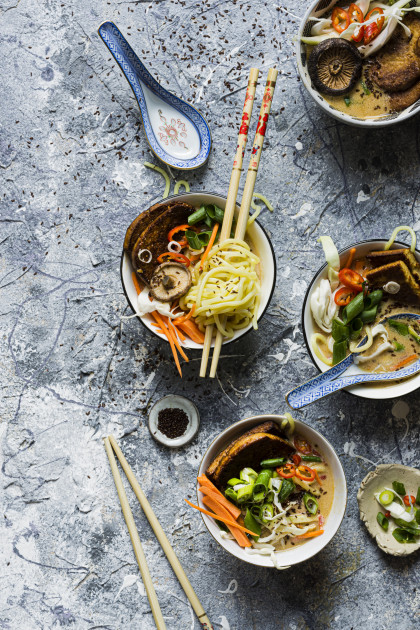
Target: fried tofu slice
pixel 140 223
pixel 380 258
pixel 249 451
pixel 396 272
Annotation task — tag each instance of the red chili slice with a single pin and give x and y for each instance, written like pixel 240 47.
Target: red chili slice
pixel 409 500
pixel 296 459
pixel 373 30
pixel 180 258
pixel 286 471
pixel 351 279
pixel 340 19
pixel 344 296
pixel 356 15
pixel 305 473
pixel 302 445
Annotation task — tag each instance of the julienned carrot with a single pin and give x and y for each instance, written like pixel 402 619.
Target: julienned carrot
pixel 157 317
pixel 188 315
pixel 311 534
pixel 191 329
pixel 178 332
pixel 405 361
pixel 210 244
pixel 234 511
pixel 350 258
pixel 205 482
pixel 195 257
pixel 227 521
pixel 317 476
pixel 136 282
pixel 235 529
pixel 175 338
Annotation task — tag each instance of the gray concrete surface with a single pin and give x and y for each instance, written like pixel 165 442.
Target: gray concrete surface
pixel 71 163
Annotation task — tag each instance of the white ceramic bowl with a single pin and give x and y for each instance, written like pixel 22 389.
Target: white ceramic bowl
pixel 385 121
pixel 366 390
pixel 298 554
pixel 264 249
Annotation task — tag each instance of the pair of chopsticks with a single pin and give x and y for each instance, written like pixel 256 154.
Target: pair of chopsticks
pixel 248 189
pixel 111 446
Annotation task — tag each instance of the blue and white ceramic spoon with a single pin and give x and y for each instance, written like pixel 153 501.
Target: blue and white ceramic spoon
pixel 327 383
pixel 177 133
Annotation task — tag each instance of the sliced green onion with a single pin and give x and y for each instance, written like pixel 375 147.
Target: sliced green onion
pixel 383 521
pixel 398 346
pixel 261 483
pixel 165 175
pixel 193 240
pixel 409 527
pixel 251 524
pixel 311 458
pixel 339 331
pixel 402 228
pixel 273 463
pixel 365 88
pixel 267 512
pixel 403 536
pixel 311 503
pixel 234 481
pixel 347 102
pixel 339 351
pixel 287 487
pixel 413 333
pixel 399 487
pixel 181 182
pixel 248 475
pixel 373 299
pixel 356 326
pixel 399 326
pixel 231 494
pixel 386 497
pixel 197 216
pixel 354 308
pixel 368 315
pixel 245 493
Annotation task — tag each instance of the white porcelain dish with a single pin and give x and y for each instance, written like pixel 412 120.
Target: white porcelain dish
pixel 367 390
pixel 263 248
pixel 295 555
pixel 370 123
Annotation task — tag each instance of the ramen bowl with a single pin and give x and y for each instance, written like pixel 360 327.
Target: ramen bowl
pixel 263 249
pixel 367 390
pixel 294 555
pixel 302 63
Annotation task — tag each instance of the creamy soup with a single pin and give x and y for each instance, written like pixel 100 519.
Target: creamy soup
pixel 406 348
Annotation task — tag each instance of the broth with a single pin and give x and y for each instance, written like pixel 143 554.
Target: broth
pixel 389 360
pixel 366 100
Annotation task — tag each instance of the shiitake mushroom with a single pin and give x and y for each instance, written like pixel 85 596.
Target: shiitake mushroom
pixel 335 66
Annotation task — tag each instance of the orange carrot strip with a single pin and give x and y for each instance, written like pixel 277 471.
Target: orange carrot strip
pixel 136 282
pixel 239 535
pixel 187 316
pixel 157 317
pixel 178 332
pixel 175 338
pixel 311 534
pixel 191 329
pixel 210 244
pixel 228 521
pixel 222 500
pixel 195 257
pixel 317 476
pixel 205 482
pixel 350 258
pixel 405 361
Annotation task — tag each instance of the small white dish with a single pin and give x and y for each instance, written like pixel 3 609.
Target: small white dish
pixel 264 250
pixel 289 557
pixel 318 7
pixel 366 390
pixel 374 482
pixel 173 401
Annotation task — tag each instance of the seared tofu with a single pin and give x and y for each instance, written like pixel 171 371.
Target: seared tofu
pixel 380 258
pixel 396 272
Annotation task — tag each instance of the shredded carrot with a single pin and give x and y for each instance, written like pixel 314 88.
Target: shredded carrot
pixel 228 521
pixel 405 361
pixel 317 476
pixel 191 329
pixel 157 317
pixel 195 257
pixel 172 332
pixel 311 534
pixel 217 496
pixel 350 258
pixel 136 282
pixel 178 332
pixel 210 244
pixel 187 316
pixel 220 510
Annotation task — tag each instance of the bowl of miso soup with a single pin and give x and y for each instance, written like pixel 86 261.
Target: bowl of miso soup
pixel 360 62
pixel 363 293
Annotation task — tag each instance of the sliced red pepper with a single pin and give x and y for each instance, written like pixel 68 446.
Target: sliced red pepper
pixel 373 30
pixel 287 471
pixel 305 473
pixel 296 459
pixel 356 15
pixel 409 500
pixel 179 258
pixel 344 296
pixel 180 228
pixel 340 19
pixel 351 279
pixel 302 446
pixel 387 514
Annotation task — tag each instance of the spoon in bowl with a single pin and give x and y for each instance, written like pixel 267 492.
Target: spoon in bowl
pixel 177 133
pixel 327 383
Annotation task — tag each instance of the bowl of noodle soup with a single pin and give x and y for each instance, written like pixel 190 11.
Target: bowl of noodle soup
pixel 257 239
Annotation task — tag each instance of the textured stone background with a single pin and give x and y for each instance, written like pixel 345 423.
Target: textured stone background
pixel 71 162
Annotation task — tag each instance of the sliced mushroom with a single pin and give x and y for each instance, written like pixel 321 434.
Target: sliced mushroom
pixel 170 280
pixel 335 66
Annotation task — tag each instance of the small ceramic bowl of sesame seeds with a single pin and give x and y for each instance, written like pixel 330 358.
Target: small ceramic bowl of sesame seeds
pixel 174 421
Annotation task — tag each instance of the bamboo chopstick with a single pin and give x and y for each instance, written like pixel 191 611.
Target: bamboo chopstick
pixel 135 540
pixel 233 191
pixel 161 536
pixel 249 186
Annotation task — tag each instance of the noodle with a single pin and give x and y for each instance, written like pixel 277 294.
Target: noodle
pixel 227 292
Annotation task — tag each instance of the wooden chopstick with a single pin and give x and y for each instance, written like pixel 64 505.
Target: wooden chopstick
pixel 135 540
pixel 161 536
pixel 233 191
pixel 249 186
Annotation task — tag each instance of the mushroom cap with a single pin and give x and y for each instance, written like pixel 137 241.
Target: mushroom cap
pixel 170 280
pixel 335 65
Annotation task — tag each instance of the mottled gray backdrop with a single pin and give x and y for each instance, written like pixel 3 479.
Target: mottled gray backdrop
pixel 71 161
